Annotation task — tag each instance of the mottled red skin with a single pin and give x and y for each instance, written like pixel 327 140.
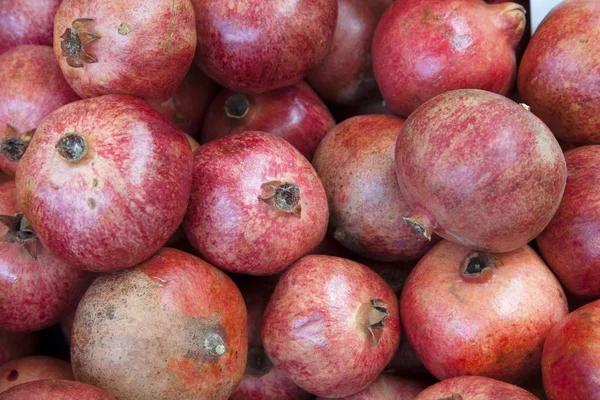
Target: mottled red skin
pixel 31 87
pixel 123 201
pixel 228 223
pixel 423 48
pixel 260 45
pixel 294 113
pixel 355 162
pixel 474 388
pixel 387 387
pixel 148 59
pixel 35 368
pixel 315 329
pixel 495 328
pixel 345 76
pixel 53 389
pixel 154 318
pixel 571 357
pixel 26 22
pixel 559 76
pixel 14 345
pixel 480 170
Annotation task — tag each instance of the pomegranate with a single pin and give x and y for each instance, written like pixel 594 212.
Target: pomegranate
pixel 387 387
pixel 26 22
pixel 571 357
pixel 559 76
pixel 54 389
pixel 30 369
pixel 467 312
pixel 124 46
pixel 15 345
pixel 332 325
pixel 355 162
pixel 479 170
pixel 105 182
pixel 259 45
pixel 294 113
pixel 176 317
pixel 423 48
pixel 345 76
pixel 257 204
pixel 474 388
pixel 31 87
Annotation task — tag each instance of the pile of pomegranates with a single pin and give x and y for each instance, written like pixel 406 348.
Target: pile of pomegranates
pixel 299 200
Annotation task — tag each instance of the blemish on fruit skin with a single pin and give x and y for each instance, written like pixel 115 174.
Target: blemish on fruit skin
pixel 91 203
pixel 124 28
pixel 13 375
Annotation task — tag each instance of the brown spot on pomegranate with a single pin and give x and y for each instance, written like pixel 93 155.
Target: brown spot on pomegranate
pixel 124 28
pixel 13 375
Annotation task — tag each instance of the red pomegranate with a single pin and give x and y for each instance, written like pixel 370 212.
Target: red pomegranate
pixel 14 345
pixel 345 76
pixel 479 170
pixel 54 389
pixel 467 312
pixel 559 76
pixel 569 244
pixel 31 87
pixel 105 182
pixel 332 325
pixel 355 162
pixel 124 46
pixel 259 45
pixel 26 22
pixel 30 369
pixel 181 321
pixel 387 387
pixel 571 357
pixel 257 204
pixel 474 388
pixel 423 48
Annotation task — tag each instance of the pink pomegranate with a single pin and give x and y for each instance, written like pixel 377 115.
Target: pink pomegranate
pixel 15 345
pixel 387 387
pixel 105 182
pixel 30 369
pixel 423 48
pixel 355 162
pixel 31 87
pixel 474 388
pixel 124 46
pixel 467 312
pixel 294 113
pixel 257 204
pixel 54 389
pixel 180 320
pixel 479 170
pixel 559 76
pixel 259 45
pixel 332 325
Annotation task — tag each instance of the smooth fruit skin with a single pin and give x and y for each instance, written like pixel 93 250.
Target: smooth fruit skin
pixel 571 359
pixel 559 76
pixel 35 368
pixel 26 22
pixel 480 170
pixel 294 113
pixel 346 76
pixel 315 330
pixel 231 226
pixel 153 331
pixel 355 162
pixel 54 389
pixel 31 87
pixel 495 328
pixel 423 48
pixel 569 244
pixel 387 387
pixel 144 49
pixel 14 345
pixel 260 45
pixel 474 388
pixel 121 202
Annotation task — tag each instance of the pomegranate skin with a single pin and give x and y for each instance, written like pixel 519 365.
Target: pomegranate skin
pixel 31 87
pixel 229 224
pixel 423 48
pixel 14 345
pixel 355 162
pixel 493 327
pixel 30 369
pixel 26 22
pixel 559 76
pixel 568 244
pixel 131 190
pixel 315 327
pixel 294 113
pixel 387 387
pixel 260 45
pixel 571 359
pixel 144 53
pixel 474 388
pixel 464 157
pixel 55 389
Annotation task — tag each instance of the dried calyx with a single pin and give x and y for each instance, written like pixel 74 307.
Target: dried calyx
pixel 72 147
pixel 213 344
pixel 284 196
pixel 14 143
pixel 20 231
pixel 376 314
pixel 479 266
pixel 258 363
pixel 421 227
pixel 237 106
pixel 75 43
